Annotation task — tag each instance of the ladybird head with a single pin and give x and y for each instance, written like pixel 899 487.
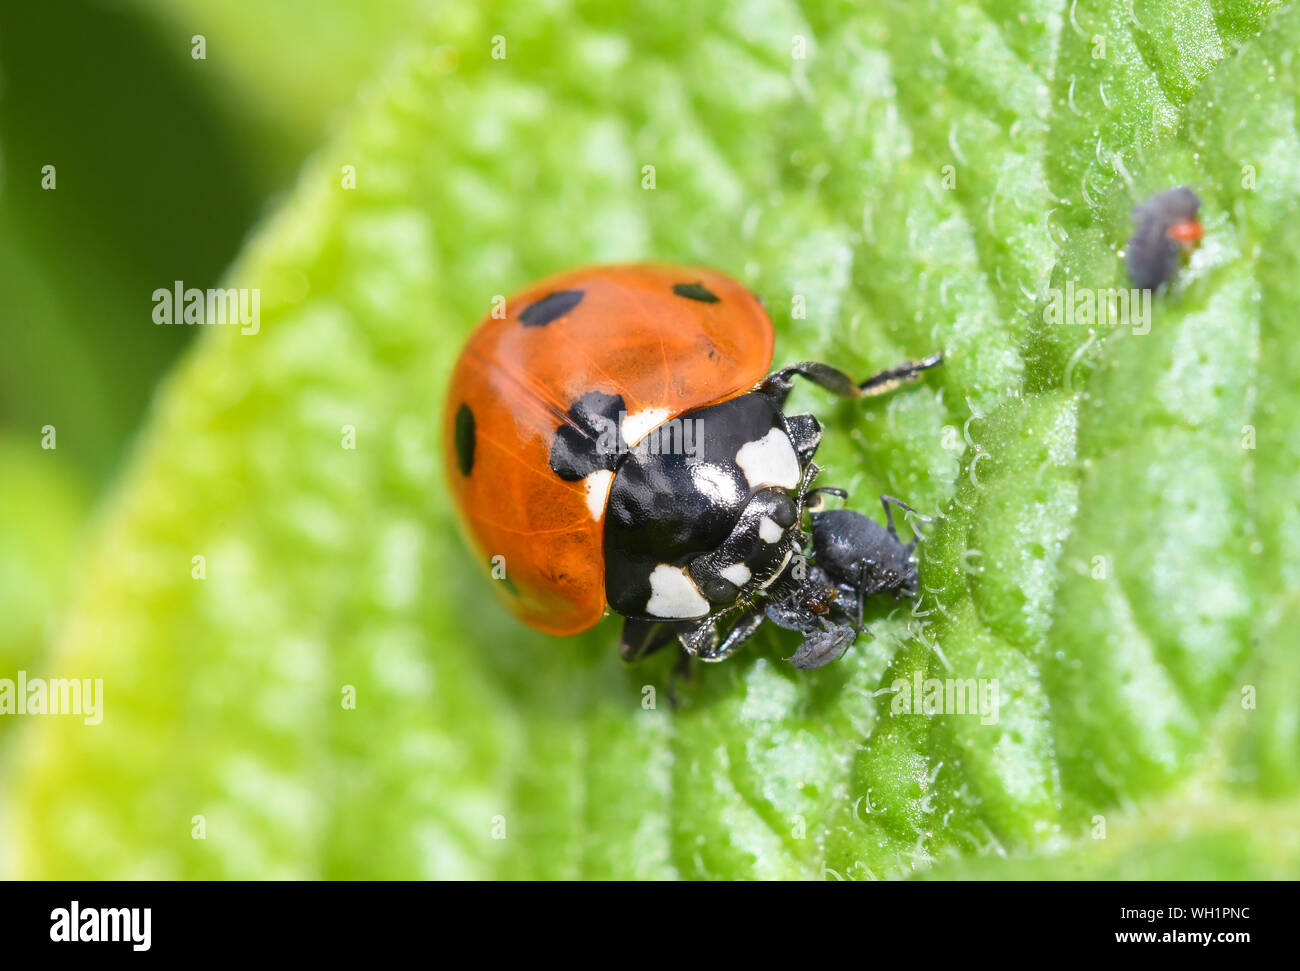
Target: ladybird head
pixel 689 535
pixel 759 548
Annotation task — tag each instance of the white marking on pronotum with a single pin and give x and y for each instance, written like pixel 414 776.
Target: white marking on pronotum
pixel 715 483
pixel 769 531
pixel 673 594
pixel 636 427
pixel 770 461
pixel 598 484
pixel 737 573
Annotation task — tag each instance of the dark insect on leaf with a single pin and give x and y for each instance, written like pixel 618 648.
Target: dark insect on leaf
pixel 1166 225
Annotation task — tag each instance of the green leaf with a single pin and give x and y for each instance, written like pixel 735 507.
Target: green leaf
pixel 1116 547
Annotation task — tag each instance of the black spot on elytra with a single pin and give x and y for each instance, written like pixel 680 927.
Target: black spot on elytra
pixel 550 307
pixel 465 439
pixel 695 291
pixel 589 441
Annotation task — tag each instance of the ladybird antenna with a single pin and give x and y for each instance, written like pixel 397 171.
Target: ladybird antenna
pixel 814 496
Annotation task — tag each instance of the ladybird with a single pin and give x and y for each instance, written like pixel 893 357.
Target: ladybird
pixel 1165 227
pixel 615 441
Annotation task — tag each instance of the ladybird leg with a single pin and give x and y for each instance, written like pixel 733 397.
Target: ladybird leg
pixel 744 629
pixel 778 384
pixel 642 637
pixel 805 435
pixel 698 637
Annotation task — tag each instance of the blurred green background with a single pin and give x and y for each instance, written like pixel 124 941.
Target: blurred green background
pixel 163 164
pixel 808 149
